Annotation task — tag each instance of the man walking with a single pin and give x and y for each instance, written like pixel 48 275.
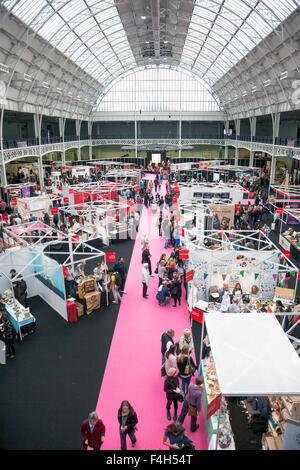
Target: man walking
pixel 93 432
pixel 145 279
pixel 193 401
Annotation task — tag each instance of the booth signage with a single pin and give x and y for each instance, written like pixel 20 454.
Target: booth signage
pixel 110 257
pixel 71 191
pixel 138 188
pixel 4 216
pixel 66 199
pixel 213 406
pixel 174 206
pixel 181 232
pixel 279 210
pixel 237 207
pixel 13 202
pixel 59 188
pixel 197 315
pixel 189 276
pixel 54 210
pixel 251 194
pixel 75 238
pixel 183 254
pixel 286 253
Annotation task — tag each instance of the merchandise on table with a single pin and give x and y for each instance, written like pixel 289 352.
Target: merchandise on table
pixel 19 315
pixel 212 390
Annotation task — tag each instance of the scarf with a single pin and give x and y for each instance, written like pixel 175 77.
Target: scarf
pixel 124 418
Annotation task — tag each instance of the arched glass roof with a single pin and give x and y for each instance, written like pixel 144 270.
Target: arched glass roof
pixel 157 89
pixel 106 41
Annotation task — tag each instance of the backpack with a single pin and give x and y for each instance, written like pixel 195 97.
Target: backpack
pixel 118 279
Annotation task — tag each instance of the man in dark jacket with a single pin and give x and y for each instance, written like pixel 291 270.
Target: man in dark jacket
pixel 93 432
pixel 121 269
pixel 166 342
pixel 22 291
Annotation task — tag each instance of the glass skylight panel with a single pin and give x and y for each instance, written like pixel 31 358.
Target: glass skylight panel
pixel 53 25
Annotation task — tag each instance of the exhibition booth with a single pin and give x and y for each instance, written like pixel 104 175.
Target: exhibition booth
pixel 250 356
pixel 30 233
pixel 262 266
pixel 90 192
pixel 43 268
pixel 103 219
pixel 35 206
pixel 211 192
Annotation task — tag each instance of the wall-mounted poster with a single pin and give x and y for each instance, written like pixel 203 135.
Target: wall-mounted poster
pixel 223 216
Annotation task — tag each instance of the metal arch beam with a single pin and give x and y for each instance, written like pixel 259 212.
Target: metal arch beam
pixel 31 36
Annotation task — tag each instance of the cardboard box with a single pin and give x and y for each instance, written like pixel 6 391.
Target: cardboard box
pixel 80 309
pixel 92 302
pixel 295 411
pixel 272 443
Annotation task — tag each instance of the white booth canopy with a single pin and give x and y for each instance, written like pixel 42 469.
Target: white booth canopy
pixel 252 355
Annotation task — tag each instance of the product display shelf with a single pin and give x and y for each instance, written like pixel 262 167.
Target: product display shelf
pixel 211 425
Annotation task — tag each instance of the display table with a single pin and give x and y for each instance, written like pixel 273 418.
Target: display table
pixel 211 424
pixel 20 318
pixel 71 311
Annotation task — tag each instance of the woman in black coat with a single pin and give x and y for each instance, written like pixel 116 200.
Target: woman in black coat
pixel 170 385
pixel 128 420
pixel 176 289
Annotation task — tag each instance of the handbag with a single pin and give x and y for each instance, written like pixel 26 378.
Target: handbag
pixel 192 410
pixel 187 367
pixel 180 396
pixel 163 371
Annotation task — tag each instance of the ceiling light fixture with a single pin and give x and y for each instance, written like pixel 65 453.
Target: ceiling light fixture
pixel 143 17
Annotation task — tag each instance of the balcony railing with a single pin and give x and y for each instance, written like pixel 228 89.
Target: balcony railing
pixel 14 144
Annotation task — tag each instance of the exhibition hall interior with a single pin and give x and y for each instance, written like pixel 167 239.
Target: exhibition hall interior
pixel 149 225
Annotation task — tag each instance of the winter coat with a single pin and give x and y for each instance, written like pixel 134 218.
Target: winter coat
pixel 170 384
pixel 131 422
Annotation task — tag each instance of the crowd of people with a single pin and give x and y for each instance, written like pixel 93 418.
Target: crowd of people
pixel 177 362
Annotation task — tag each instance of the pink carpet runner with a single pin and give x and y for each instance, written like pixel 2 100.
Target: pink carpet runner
pixel 133 367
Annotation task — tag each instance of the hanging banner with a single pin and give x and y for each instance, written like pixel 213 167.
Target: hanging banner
pixel 256 275
pixel 213 406
pixel 197 315
pixel 189 276
pixel 110 257
pixel 224 277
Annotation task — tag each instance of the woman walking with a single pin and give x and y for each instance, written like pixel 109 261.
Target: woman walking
pixel 186 367
pixel 128 420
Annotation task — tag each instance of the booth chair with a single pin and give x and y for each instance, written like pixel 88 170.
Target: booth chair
pixel 214 294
